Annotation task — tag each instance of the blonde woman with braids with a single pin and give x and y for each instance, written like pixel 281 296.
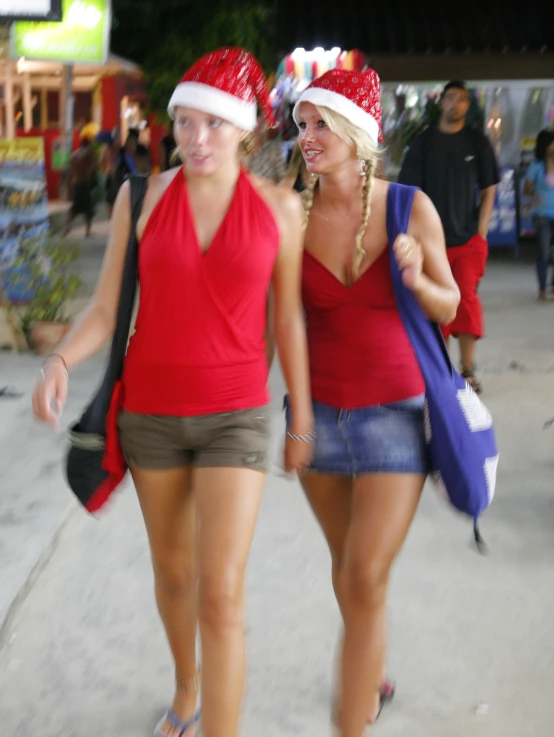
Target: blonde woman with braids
pixel 369 463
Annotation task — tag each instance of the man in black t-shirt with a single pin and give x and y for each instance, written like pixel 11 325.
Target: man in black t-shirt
pixel 456 167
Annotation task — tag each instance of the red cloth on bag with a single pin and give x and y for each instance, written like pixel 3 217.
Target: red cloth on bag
pixel 113 461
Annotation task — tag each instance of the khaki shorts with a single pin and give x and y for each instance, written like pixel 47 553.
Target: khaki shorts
pixel 238 439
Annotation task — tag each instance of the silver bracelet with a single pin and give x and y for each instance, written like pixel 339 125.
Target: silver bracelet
pixel 61 364
pixel 308 437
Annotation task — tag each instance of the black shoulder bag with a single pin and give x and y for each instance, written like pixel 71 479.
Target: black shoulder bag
pixel 85 473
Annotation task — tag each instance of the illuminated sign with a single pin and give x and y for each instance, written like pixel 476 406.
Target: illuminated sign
pixel 31 10
pixel 81 37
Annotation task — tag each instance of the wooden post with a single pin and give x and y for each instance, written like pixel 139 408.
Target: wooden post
pixel 27 103
pixel 66 122
pixel 10 111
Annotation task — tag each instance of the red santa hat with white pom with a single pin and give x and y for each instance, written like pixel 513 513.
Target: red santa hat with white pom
pixel 354 95
pixel 228 83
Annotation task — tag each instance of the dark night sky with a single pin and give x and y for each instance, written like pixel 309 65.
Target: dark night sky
pixel 375 26
pixel 397 26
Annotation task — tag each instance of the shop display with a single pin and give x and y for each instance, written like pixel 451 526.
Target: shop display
pixel 297 70
pixel 23 201
pixel 503 223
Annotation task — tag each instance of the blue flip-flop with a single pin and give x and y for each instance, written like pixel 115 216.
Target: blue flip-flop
pixel 176 723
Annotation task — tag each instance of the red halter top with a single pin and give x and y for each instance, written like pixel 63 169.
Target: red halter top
pixel 198 346
pixel 360 354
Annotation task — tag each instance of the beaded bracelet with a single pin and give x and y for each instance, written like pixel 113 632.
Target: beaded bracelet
pixel 62 359
pixel 309 437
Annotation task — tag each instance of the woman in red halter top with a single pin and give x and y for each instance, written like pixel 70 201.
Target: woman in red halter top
pixel 194 425
pixel 369 462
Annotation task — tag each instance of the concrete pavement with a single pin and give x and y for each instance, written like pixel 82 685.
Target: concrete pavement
pixel 472 641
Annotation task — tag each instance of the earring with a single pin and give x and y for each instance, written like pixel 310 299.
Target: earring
pixel 363 166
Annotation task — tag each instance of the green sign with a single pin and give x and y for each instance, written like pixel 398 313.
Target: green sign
pixel 61 154
pixel 81 37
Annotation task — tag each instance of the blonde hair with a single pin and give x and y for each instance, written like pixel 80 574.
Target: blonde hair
pixel 176 157
pixel 369 157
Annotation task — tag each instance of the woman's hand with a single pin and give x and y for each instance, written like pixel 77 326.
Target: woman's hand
pixel 409 257
pixel 298 452
pixel 50 392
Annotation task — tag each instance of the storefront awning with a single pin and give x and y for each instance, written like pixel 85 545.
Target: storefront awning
pixel 114 65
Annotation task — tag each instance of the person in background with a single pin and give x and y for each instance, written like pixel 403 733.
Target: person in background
pixel 108 163
pixel 142 160
pixel 451 163
pixel 82 172
pixel 264 153
pixel 298 176
pixel 539 182
pixel 126 164
pixel 167 157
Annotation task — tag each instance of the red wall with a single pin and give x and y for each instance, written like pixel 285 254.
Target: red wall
pixel 110 104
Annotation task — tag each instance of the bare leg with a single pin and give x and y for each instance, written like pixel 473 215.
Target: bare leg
pixel 467 351
pixel 383 507
pixel 330 498
pixel 228 500
pixel 168 508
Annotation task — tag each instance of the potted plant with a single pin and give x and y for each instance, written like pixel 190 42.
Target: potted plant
pixel 38 287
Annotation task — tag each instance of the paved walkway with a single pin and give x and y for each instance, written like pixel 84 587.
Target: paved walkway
pixel 472 641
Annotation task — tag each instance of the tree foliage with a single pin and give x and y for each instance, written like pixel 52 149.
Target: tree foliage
pixel 166 36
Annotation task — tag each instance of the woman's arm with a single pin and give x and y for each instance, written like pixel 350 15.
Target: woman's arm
pixel 290 331
pixel 486 207
pixel 93 327
pixel 530 180
pixel 269 335
pixel 421 255
pixel 288 317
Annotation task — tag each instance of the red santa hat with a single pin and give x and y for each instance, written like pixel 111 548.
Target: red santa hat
pixel 354 95
pixel 228 83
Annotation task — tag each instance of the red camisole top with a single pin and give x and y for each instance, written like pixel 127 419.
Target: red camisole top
pixel 360 354
pixel 198 346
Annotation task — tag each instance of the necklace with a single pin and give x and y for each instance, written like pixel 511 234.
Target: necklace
pixel 345 217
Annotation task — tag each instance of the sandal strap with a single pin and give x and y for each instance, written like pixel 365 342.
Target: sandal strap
pixel 177 723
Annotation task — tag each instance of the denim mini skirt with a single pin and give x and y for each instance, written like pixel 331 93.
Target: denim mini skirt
pixel 384 438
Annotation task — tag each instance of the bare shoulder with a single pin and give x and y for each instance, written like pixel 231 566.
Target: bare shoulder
pixel 424 214
pixel 157 185
pixel 379 192
pixel 286 204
